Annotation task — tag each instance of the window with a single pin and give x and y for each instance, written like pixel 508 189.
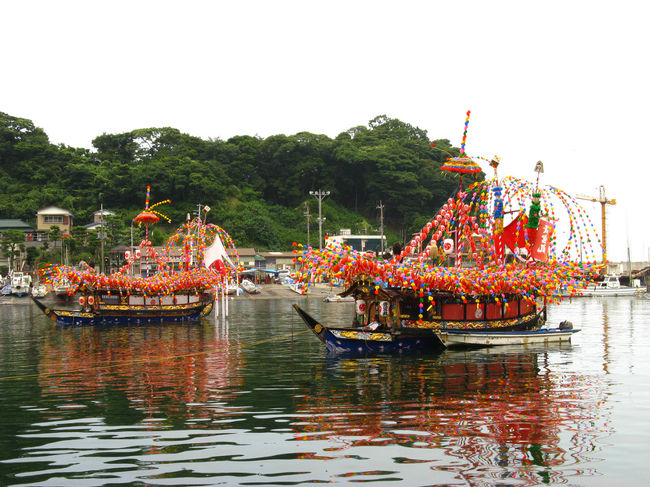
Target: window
pixel 52 219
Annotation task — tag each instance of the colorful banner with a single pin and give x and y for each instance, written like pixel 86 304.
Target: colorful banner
pixel 539 249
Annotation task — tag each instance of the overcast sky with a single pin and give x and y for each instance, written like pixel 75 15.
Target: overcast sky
pixel 563 82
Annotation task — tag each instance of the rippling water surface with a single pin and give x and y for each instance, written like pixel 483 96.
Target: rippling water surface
pixel 255 400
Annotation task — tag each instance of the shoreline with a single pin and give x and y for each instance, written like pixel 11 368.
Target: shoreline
pixel 268 291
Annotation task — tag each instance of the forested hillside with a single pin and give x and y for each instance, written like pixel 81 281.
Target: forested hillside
pixel 257 187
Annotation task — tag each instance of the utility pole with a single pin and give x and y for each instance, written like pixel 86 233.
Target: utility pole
pixel 102 235
pixel 381 225
pixel 320 196
pixel 308 215
pixel 602 199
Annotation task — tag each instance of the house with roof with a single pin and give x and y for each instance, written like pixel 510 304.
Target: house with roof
pixel 98 217
pixel 277 261
pixel 50 216
pixel 21 226
pixel 246 256
pixel 13 224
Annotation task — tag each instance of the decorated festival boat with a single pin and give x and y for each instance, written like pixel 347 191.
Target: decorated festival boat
pixel 151 286
pixel 371 339
pixel 490 261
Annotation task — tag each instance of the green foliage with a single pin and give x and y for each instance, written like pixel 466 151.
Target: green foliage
pixel 258 188
pixel 12 243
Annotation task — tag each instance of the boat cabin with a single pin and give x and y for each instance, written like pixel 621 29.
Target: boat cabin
pixel 395 307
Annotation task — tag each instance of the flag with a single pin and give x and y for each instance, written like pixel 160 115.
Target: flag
pixel 539 248
pixel 216 252
pixel 514 234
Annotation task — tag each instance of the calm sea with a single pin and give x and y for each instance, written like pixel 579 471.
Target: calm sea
pixel 255 400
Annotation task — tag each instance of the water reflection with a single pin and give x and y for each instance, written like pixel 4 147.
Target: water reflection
pixel 491 413
pixel 255 400
pixel 139 372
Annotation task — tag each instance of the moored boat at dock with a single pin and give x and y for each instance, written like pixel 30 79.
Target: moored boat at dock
pixel 21 284
pixel 476 339
pixel 610 285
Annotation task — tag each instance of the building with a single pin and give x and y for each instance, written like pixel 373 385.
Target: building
pixel 98 216
pixel 16 225
pixel 246 257
pixel 48 217
pixel 21 226
pixel 362 243
pixel 276 261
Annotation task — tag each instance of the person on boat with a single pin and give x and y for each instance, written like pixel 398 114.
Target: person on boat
pixel 373 325
pixel 397 248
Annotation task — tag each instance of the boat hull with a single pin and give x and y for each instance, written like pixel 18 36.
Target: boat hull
pixel 359 341
pixel 127 315
pixel 531 321
pixel 622 291
pixel 472 339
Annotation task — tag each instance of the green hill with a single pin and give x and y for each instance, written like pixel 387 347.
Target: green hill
pixel 258 188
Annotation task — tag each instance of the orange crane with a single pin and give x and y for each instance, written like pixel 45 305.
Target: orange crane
pixel 602 199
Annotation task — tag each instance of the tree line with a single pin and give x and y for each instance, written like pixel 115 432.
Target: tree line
pixel 258 188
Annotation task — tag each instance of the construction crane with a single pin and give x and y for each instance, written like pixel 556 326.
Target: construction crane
pixel 602 199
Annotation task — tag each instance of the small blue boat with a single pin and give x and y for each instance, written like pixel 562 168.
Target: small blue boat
pixel 364 341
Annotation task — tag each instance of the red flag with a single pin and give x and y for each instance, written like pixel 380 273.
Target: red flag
pixel 514 234
pixel 539 249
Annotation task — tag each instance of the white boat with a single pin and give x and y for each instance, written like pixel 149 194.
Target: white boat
pixel 21 284
pixel 60 289
pixel 611 286
pixel 250 287
pixel 339 299
pixel 39 290
pixel 468 339
pixel 6 289
pixel 297 287
pixel 232 289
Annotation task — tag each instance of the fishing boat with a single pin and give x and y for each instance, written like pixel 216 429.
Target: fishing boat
pixel 21 284
pixel 610 285
pixel 39 290
pixel 371 339
pixel 488 261
pixel 151 286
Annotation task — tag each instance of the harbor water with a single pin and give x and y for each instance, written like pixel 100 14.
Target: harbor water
pixel 255 400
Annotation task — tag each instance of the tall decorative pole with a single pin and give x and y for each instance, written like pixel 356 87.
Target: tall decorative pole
pixel 462 164
pixel 148 216
pixel 462 145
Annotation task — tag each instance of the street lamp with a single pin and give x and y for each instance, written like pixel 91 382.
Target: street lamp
pixel 320 196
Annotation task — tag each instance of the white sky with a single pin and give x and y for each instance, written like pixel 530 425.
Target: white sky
pixel 562 81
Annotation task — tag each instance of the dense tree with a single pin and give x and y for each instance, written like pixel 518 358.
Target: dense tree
pixel 257 187
pixel 12 244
